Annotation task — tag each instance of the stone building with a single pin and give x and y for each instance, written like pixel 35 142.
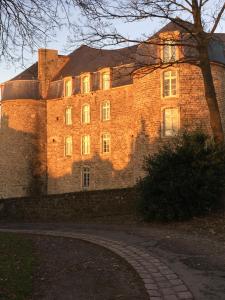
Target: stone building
pixel 85 121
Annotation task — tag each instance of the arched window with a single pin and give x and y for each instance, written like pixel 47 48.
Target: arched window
pixel 68 146
pixel 86 177
pixel 68 116
pixel 86 84
pixel 106 143
pixel 86 144
pixel 106 111
pixel 105 80
pixel 68 87
pixel 86 113
pixel 169 84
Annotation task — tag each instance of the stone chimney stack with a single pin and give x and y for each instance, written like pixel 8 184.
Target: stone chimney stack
pixel 49 64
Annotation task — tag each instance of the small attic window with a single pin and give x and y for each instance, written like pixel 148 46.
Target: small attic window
pixel 169 52
pixel 105 79
pixel 85 83
pixel 68 87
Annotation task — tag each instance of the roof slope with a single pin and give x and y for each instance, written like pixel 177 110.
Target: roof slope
pixel 87 59
pixel 28 74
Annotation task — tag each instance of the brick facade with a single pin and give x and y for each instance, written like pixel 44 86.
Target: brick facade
pixel 33 131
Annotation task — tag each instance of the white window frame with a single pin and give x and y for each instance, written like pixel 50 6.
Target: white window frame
pixel 86 83
pixel 86 113
pixel 68 91
pixel 170 79
pixel 164 129
pixel 85 177
pixel 106 137
pixel 106 82
pixel 172 51
pixel 68 146
pixel 85 144
pixel 68 115
pixel 106 110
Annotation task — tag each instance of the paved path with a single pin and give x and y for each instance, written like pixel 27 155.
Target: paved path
pixel 160 281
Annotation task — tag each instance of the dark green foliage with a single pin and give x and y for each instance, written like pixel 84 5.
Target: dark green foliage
pixel 185 178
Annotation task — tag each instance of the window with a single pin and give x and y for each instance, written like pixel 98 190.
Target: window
pixel 85 144
pixel 86 177
pixel 105 143
pixel 171 121
pixel 169 84
pixel 68 87
pixel 105 111
pixel 68 146
pixel 68 116
pixel 105 80
pixel 86 113
pixel 86 84
pixel 169 52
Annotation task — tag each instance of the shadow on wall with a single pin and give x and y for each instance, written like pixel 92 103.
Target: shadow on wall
pixel 121 172
pixel 19 165
pixel 18 160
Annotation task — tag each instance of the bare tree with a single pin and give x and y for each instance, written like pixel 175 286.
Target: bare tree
pixel 27 24
pixel 199 20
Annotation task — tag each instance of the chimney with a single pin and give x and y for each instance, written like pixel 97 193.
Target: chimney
pixel 49 64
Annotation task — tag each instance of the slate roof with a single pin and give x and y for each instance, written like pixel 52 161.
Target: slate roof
pixel 88 59
pixel 28 74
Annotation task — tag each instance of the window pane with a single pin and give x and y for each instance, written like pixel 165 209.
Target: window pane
pixel 105 81
pixel 68 146
pixel 86 144
pixel 169 83
pixel 86 84
pixel 166 88
pixel 68 88
pixel 171 121
pixel 169 52
pixel 86 177
pixel 68 116
pixel 86 114
pixel 106 143
pixel 166 53
pixel 173 86
pixel 106 111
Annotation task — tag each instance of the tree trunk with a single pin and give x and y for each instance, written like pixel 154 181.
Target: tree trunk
pixel 210 95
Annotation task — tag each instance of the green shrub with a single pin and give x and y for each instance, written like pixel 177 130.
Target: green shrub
pixel 185 178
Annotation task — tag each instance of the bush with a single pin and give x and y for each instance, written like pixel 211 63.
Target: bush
pixel 186 178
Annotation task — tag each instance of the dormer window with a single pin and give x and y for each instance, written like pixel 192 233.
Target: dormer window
pixel 68 87
pixel 169 52
pixel 105 80
pixel 85 83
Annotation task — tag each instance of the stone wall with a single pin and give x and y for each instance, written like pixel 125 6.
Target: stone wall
pixel 108 170
pixel 71 207
pixel 22 147
pixel 135 127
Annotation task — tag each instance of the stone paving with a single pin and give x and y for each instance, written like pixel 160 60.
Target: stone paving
pixel 161 282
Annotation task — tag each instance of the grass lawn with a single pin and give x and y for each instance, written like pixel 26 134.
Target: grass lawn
pixel 17 264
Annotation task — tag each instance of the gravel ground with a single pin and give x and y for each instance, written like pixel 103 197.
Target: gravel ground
pixel 77 270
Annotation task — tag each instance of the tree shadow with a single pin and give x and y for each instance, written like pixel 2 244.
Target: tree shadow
pixel 105 171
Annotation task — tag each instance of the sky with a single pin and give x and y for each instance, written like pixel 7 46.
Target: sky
pixel 9 70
